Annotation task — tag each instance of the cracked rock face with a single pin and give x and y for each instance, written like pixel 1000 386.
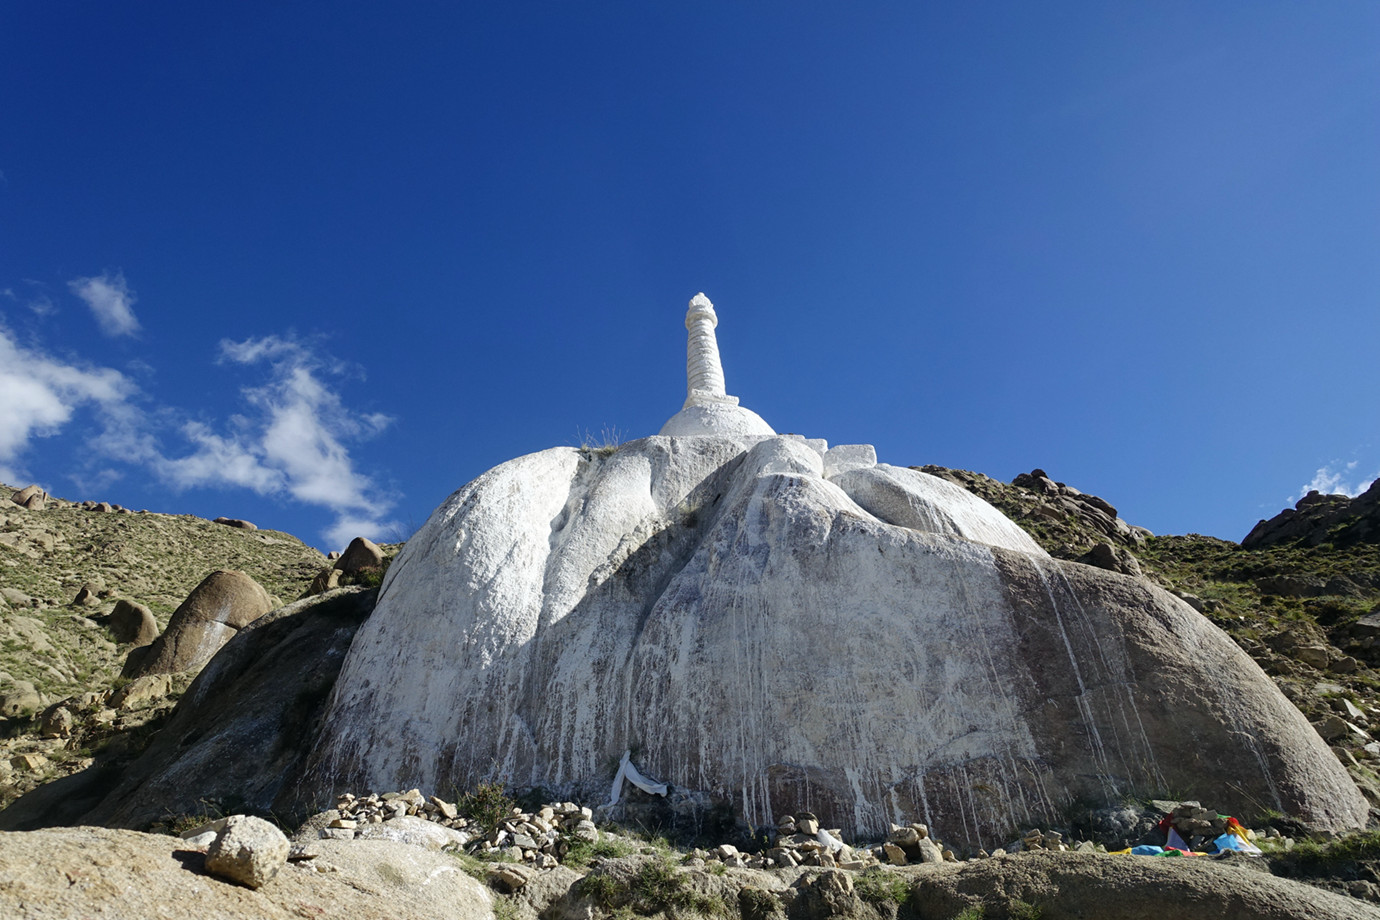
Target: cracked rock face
pixel 789 627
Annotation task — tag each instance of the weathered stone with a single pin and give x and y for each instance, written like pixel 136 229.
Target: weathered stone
pixel 57 721
pixel 413 831
pixel 131 622
pixel 141 690
pixel 1331 727
pixel 929 851
pixel 223 603
pixel 1315 655
pixel 620 618
pixel 19 698
pixel 361 554
pixel 247 850
pixel 904 836
pixel 895 855
pixel 236 523
pixel 510 878
pixel 1122 888
pixel 26 493
pixel 31 761
pixel 807 825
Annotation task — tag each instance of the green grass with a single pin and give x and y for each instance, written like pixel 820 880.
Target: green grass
pixel 657 887
pixel 487 804
pixel 880 886
pixel 582 852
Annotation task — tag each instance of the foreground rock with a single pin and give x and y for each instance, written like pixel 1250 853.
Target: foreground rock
pixel 247 850
pixel 86 871
pixel 223 603
pixel 1096 887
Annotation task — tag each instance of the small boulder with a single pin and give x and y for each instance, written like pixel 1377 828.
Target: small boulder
pixel 361 554
pixel 18 698
pixel 57 721
pixel 247 850
pixel 31 761
pixel 236 523
pixel 140 690
pixel 131 622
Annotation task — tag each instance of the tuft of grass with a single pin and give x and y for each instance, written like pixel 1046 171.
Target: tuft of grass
pixel 976 912
pixel 582 852
pixel 1024 910
pixel 605 444
pixel 880 887
pixel 488 805
pixel 658 887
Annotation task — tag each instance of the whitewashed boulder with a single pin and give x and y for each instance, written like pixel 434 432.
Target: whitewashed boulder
pixel 786 631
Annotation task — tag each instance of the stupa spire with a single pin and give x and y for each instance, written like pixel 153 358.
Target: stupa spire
pixel 704 371
pixel 709 410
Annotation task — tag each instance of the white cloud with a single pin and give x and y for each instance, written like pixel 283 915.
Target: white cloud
pixel 294 443
pixel 1337 478
pixel 111 302
pixel 40 393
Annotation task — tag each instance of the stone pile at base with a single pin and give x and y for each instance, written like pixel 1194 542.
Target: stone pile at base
pixel 540 838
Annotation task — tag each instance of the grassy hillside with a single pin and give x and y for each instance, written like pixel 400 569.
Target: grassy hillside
pixel 58 646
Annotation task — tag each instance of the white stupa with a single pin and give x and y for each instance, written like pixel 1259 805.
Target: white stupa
pixel 708 409
pixel 779 625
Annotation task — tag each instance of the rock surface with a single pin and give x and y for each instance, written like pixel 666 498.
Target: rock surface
pixel 223 603
pixel 75 872
pixel 1100 887
pixel 875 644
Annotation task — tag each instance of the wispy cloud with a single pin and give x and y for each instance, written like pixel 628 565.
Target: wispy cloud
pixel 111 302
pixel 1337 478
pixel 40 393
pixel 293 442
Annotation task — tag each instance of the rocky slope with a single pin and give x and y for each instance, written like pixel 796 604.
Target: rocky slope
pixel 64 567
pixel 1302 599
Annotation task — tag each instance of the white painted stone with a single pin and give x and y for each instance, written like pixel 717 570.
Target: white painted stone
pixel 847 457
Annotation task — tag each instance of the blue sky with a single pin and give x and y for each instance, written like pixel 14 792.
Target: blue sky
pixel 318 265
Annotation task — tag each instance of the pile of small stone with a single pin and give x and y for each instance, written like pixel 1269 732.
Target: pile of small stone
pixel 797 841
pixel 912 843
pixel 540 838
pixel 1037 839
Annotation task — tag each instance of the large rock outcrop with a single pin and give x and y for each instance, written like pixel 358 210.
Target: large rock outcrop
pixel 1318 518
pixel 784 626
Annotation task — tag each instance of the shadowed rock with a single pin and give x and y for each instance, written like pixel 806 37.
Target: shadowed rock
pixel 131 622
